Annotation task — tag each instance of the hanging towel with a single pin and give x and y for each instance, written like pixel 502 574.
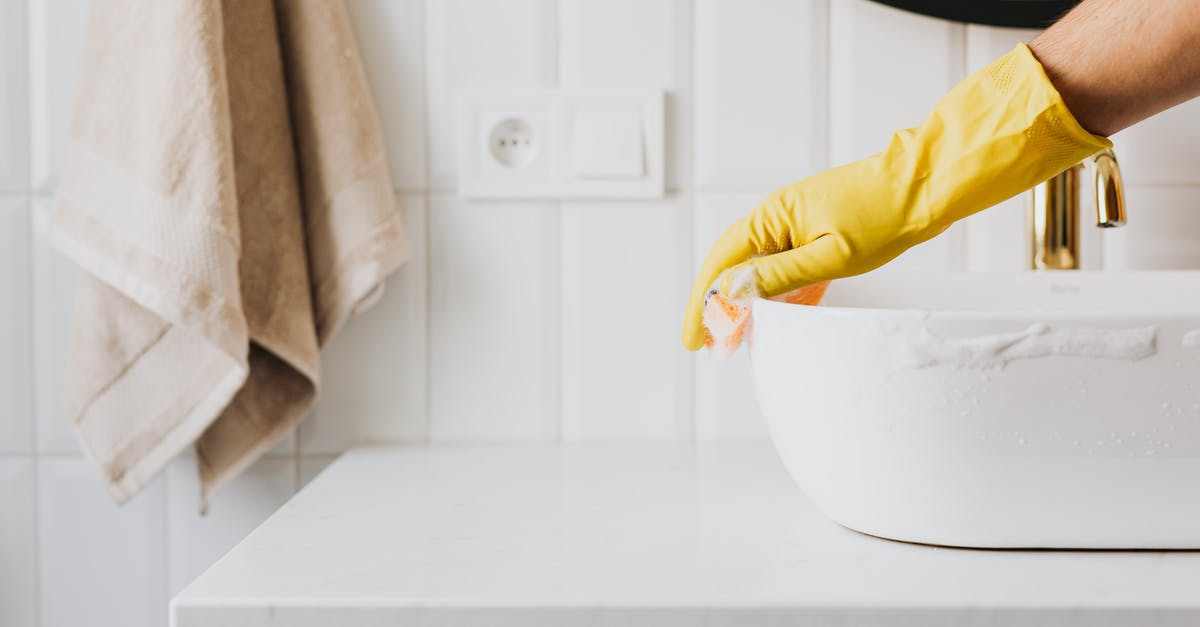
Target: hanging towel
pixel 227 196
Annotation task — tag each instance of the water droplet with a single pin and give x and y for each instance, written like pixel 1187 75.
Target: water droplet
pixel 1074 442
pixel 1119 441
pixel 1021 441
pixel 1150 451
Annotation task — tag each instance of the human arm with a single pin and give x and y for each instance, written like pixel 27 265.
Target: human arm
pixel 999 132
pixel 1116 62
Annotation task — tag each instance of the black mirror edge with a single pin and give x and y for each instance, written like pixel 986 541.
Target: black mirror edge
pixel 1012 13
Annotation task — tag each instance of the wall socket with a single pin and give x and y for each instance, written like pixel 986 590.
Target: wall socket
pixel 514 142
pixel 561 143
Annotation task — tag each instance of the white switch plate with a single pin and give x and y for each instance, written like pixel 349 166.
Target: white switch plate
pixel 516 143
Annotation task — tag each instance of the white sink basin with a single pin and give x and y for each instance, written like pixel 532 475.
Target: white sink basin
pixel 1036 410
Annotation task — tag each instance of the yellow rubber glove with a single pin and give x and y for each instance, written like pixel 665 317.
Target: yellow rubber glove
pixel 1000 132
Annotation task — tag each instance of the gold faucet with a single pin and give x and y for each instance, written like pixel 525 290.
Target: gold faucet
pixel 1054 211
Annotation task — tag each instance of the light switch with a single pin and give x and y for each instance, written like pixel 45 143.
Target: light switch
pixel 607 143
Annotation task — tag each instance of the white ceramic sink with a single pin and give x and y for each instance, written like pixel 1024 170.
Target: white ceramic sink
pixel 1035 410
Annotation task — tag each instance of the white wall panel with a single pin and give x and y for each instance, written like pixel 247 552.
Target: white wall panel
pixel 997 239
pixel 988 43
pixel 887 69
pixel 195 540
pixel 14 98
pixel 54 278
pixel 725 404
pixel 312 465
pixel 375 373
pixel 18 551
pixel 16 380
pixel 1162 232
pixel 624 279
pixel 1164 149
pixel 494 324
pixel 476 43
pixel 760 70
pixel 56 33
pixel 100 563
pixel 653 48
pixel 391 37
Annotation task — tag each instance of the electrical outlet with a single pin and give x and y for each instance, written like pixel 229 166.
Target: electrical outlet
pixel 509 141
pixel 561 143
pixel 514 143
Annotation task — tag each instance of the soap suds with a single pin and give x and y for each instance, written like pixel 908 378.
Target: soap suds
pixel 923 349
pixel 1191 339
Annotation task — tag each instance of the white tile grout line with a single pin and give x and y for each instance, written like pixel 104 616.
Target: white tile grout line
pixel 554 406
pixel 26 28
pixel 688 235
pixel 426 229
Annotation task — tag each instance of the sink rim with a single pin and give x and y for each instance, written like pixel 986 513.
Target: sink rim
pixel 1158 294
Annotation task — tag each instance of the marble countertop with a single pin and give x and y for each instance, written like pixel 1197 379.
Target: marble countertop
pixel 635 534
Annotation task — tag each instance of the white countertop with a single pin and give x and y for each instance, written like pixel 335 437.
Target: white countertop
pixel 635 534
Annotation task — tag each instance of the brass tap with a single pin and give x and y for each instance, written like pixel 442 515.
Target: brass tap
pixel 1054 211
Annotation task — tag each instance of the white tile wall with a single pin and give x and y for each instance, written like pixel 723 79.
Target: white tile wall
pixel 476 43
pixel 54 279
pixel 194 540
pixel 724 405
pixel 760 66
pixel 494 319
pixel 56 32
pixel 1163 230
pixel 893 66
pixel 634 42
pixel 624 278
pixel 14 102
pixel 1162 150
pixel 514 319
pixel 98 559
pixel 311 466
pixel 374 376
pixel 18 550
pixel 998 238
pixel 391 38
pixel 16 429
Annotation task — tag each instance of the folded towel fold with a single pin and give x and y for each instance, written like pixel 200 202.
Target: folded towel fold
pixel 227 196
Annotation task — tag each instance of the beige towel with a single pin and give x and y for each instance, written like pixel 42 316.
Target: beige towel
pixel 227 195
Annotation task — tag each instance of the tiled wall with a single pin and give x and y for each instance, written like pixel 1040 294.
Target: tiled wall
pixel 513 319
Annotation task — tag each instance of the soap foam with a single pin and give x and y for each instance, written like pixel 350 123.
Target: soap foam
pixel 1191 339
pixel 922 348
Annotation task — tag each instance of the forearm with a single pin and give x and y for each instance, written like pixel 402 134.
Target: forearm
pixel 1117 62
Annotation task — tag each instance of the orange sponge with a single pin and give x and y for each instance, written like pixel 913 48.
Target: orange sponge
pixel 727 319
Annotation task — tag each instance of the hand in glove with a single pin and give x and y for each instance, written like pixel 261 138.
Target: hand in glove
pixel 1000 132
